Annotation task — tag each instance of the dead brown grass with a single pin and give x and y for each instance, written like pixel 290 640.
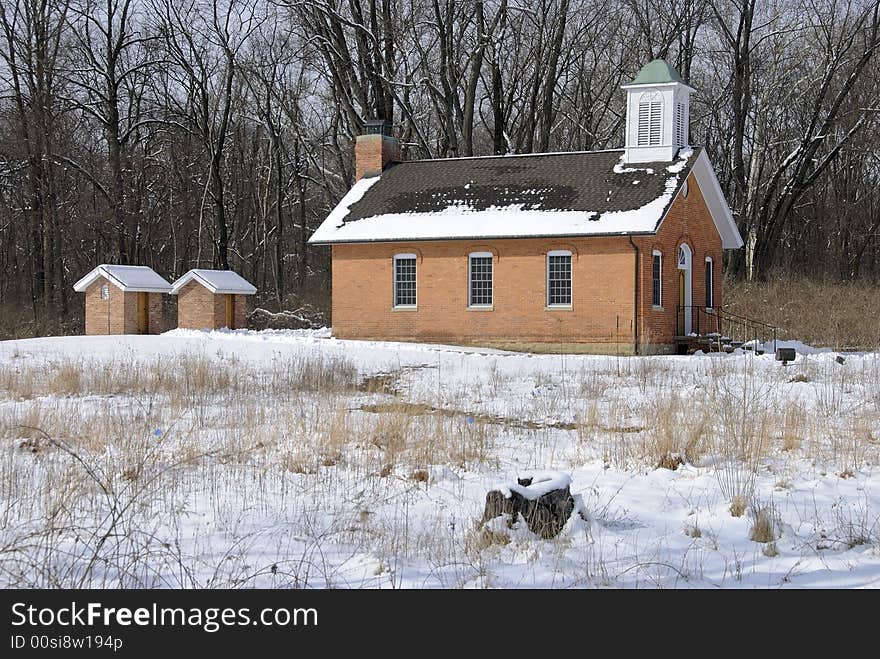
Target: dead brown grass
pixel 765 525
pixel 187 377
pixel 839 315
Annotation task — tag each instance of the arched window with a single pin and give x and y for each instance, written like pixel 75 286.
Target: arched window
pixel 684 256
pixel 650 119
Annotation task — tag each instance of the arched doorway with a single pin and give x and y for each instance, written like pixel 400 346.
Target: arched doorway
pixel 685 286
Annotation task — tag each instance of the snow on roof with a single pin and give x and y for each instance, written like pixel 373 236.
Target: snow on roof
pixel 216 281
pixel 128 278
pixel 565 194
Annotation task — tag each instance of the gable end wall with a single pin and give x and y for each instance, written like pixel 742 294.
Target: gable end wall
pixel 199 308
pixel 688 220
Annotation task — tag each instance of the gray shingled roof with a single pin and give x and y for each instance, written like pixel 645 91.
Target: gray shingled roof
pixel 559 181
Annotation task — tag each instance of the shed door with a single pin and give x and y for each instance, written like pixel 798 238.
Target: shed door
pixel 230 311
pixel 143 326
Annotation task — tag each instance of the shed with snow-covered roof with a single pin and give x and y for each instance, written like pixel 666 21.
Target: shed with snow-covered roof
pixel 607 251
pixel 212 299
pixel 123 299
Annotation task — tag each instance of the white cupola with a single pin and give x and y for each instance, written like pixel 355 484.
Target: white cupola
pixel 657 114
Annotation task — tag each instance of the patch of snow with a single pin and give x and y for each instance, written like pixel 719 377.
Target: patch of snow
pixel 621 168
pixel 646 528
pixel 646 218
pixel 260 335
pixel 542 483
pixel 336 219
pixel 683 157
pixel 441 473
pixel 800 347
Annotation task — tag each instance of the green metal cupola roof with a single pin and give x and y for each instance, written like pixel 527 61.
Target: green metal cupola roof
pixel 657 72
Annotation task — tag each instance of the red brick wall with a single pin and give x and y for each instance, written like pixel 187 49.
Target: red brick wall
pixel 372 153
pixel 195 307
pixel 104 316
pixel 687 221
pixel 118 314
pixel 155 317
pixel 602 292
pixel 198 308
pixel 241 311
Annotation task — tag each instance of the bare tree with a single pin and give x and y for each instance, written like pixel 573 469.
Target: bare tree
pixel 221 131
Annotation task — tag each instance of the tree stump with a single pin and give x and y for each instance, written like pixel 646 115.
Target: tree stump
pixel 542 498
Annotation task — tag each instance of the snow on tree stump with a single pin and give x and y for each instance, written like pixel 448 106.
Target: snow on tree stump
pixel 543 498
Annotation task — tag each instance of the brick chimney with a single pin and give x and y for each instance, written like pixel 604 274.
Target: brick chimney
pixel 374 149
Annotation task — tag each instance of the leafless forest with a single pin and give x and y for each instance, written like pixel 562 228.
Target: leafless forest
pixel 219 132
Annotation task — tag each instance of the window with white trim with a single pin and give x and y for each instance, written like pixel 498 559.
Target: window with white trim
pixel 680 125
pixel 405 281
pixel 710 282
pixel 657 279
pixel 480 279
pixel 650 132
pixel 559 278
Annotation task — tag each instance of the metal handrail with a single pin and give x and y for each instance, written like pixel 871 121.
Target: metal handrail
pixel 751 321
pixel 711 320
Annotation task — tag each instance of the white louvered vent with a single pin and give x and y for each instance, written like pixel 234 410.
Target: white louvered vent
pixel 680 125
pixel 650 120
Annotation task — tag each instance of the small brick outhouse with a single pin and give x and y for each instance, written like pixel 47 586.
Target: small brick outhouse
pixel 212 299
pixel 123 299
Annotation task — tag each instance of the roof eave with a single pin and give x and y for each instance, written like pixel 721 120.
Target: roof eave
pixel 83 284
pixel 604 234
pixel 229 291
pixel 634 85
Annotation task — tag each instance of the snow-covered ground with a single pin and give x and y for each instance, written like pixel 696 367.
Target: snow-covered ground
pixel 291 459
